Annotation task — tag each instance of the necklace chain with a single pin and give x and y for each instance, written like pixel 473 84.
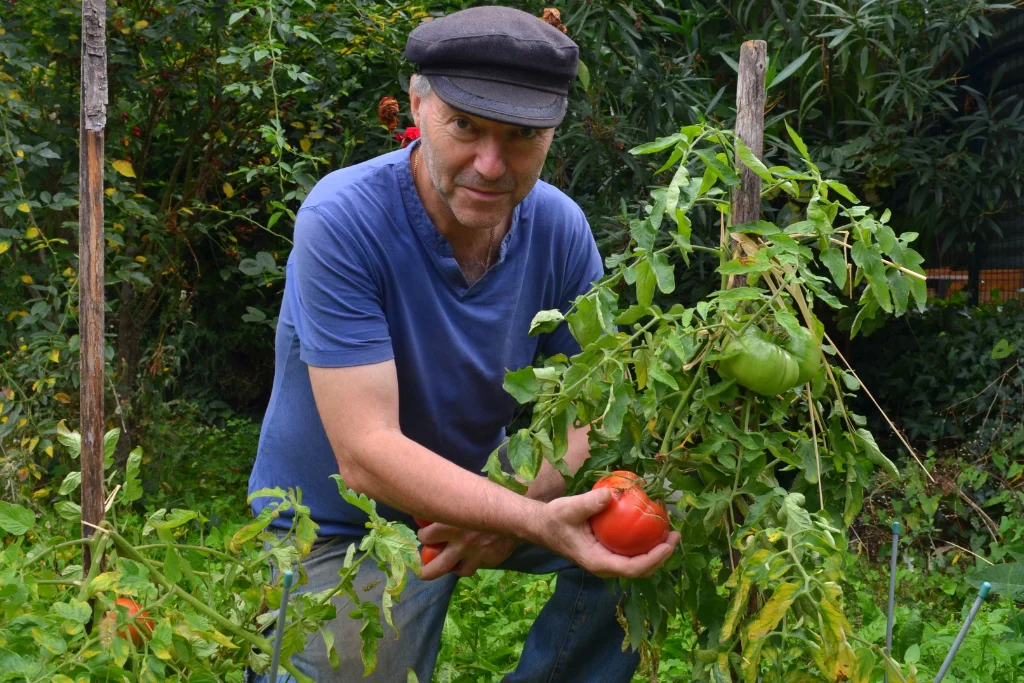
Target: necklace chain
pixel 415 180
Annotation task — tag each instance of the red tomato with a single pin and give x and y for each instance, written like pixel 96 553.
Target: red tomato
pixel 431 551
pixel 143 621
pixel 632 524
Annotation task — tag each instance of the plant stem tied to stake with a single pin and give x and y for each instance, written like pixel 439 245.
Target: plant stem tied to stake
pixel 90 253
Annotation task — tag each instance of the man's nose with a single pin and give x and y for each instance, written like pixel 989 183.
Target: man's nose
pixel 490 159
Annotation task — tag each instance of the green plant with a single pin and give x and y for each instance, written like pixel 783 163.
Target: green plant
pixel 646 382
pixel 203 592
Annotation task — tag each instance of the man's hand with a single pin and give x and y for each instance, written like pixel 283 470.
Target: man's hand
pixel 565 529
pixel 466 550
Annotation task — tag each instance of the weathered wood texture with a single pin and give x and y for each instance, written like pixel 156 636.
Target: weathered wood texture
pixel 750 98
pixel 90 251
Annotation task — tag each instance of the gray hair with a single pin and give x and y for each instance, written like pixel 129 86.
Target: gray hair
pixel 420 86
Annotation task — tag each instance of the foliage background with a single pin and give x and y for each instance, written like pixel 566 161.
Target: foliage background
pixel 223 115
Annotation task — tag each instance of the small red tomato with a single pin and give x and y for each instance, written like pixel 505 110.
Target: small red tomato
pixel 632 524
pixel 421 521
pixel 142 621
pixel 431 551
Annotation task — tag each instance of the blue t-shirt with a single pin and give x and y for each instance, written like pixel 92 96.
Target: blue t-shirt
pixel 370 279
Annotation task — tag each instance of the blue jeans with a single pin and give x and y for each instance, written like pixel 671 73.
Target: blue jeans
pixel 574 638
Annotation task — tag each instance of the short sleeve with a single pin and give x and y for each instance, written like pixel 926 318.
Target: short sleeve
pixel 583 268
pixel 336 296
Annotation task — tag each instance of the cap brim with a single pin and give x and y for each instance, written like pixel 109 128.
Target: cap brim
pixel 512 104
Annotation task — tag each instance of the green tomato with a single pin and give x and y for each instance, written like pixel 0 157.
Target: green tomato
pixel 768 367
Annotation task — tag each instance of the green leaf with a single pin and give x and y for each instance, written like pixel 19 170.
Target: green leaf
pixel 360 500
pixel 746 155
pixel 644 234
pixel 71 483
pixel 798 142
pixel 836 264
pixel 525 460
pixel 1006 579
pixel 178 517
pixel 645 281
pixel 618 403
pixel 521 384
pixel 842 190
pixel 15 519
pixel 545 322
pixel 790 68
pixel 68 510
pixel 584 322
pixel 632 314
pixel 132 483
pixel 1002 349
pixel 235 16
pixel 370 632
pixel 172 564
pixel 499 476
pixel 874 270
pixel 110 442
pixel 583 73
pixel 658 145
pixel 70 440
pixel 873 453
pixel 664 273
pixel 720 168
pixel 900 286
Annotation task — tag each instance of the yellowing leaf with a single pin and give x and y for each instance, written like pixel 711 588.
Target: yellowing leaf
pixel 773 611
pixel 22 422
pixel 124 168
pixel 24 207
pixel 21 153
pixel 32 233
pixel 62 397
pixel 305 144
pixel 27 279
pixel 118 227
pixel 141 24
pixel 33 443
pixel 140 259
pixel 4 246
pixel 55 355
pixel 49 451
pixel 229 191
pixel 110 191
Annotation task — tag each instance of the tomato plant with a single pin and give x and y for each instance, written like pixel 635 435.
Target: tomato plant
pixel 734 407
pixel 169 597
pixel 631 524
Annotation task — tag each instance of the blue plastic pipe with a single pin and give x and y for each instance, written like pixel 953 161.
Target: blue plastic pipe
pixel 276 659
pixel 982 594
pixel 896 529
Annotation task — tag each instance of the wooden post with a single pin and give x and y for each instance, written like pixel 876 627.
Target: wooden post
pixel 90 256
pixel 750 99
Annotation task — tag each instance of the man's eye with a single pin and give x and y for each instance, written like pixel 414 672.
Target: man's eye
pixel 528 132
pixel 462 124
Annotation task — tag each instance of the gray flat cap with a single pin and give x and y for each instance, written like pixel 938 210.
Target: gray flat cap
pixel 497 62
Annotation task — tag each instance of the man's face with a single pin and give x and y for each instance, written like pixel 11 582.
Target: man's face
pixel 480 168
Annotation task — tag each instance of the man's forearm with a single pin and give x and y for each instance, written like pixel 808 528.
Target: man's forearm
pixel 398 472
pixel 549 484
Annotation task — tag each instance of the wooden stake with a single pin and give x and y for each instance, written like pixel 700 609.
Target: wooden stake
pixel 90 255
pixel 750 98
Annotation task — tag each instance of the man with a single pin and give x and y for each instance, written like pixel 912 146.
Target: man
pixel 409 293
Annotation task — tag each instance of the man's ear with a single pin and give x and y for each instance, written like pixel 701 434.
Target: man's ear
pixel 414 101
